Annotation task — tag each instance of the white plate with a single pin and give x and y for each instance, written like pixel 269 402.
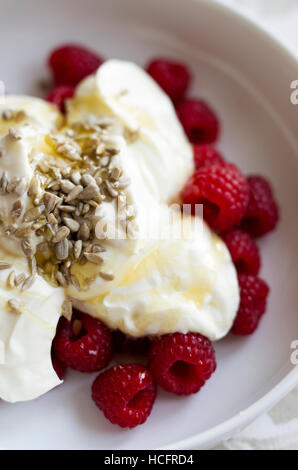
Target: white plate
pixel 246 76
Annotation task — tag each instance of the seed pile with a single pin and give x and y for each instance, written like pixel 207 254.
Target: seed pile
pixel 58 229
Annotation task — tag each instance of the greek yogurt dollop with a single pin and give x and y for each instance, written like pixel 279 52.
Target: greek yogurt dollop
pixel 140 283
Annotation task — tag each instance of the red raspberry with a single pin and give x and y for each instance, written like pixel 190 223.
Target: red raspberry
pixel 125 393
pixel 71 63
pixel 253 297
pixel 244 251
pixel 59 94
pixel 199 121
pixel 125 344
pixel 206 155
pixel 181 363
pixel 58 367
pixel 262 212
pixel 172 77
pixel 83 343
pixel 223 191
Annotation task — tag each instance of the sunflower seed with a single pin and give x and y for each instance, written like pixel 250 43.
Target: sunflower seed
pixel 27 248
pixel 7 114
pixel 116 173
pixel 32 265
pixel 97 248
pixel 61 279
pixel 3 182
pixel 84 232
pixel 50 201
pixel 87 179
pixel 104 161
pixel 66 186
pixel 75 282
pixel 67 309
pixel 14 134
pixel 76 177
pixel 42 247
pixel 107 276
pixel 20 279
pixel 52 220
pixel 23 231
pixel 112 192
pixel 79 209
pixel 17 209
pixel 14 306
pixel 4 265
pixel 93 258
pixel 29 281
pixel 89 192
pixel 77 250
pixel 34 187
pixel 85 209
pixel 11 279
pixel 61 234
pixel 33 214
pixel 74 193
pixel 67 209
pixel 72 224
pixel 62 249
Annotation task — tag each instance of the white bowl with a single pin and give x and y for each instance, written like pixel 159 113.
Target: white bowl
pixel 246 76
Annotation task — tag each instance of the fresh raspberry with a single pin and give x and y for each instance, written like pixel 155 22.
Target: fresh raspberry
pixel 244 251
pixel 223 191
pixel 172 77
pixel 181 363
pixel 58 367
pixel 199 121
pixel 83 343
pixel 253 297
pixel 206 155
pixel 71 63
pixel 262 212
pixel 125 393
pixel 59 94
pixel 125 344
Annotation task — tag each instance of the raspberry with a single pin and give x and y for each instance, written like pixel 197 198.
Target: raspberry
pixel 262 212
pixel 83 343
pixel 58 367
pixel 71 63
pixel 59 94
pixel 125 393
pixel 223 191
pixel 244 251
pixel 206 155
pixel 172 77
pixel 181 363
pixel 253 297
pixel 199 121
pixel 125 344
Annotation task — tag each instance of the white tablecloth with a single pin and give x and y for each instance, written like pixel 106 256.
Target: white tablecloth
pixel 278 429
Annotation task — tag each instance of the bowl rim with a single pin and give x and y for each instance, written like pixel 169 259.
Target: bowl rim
pixel 224 430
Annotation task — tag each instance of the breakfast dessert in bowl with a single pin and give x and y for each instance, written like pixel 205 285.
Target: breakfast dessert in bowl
pixel 98 253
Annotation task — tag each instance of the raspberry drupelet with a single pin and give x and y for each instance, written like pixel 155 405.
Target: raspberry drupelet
pixel 205 155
